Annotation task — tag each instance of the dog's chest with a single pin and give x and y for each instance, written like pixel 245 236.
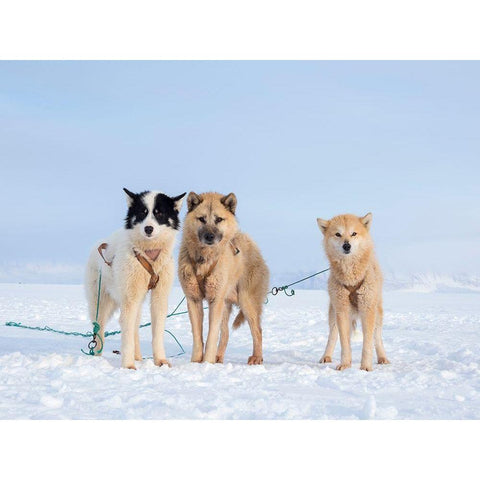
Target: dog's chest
pixel 153 253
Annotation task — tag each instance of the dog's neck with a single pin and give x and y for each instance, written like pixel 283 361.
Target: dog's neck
pixel 153 248
pixel 205 257
pixel 351 270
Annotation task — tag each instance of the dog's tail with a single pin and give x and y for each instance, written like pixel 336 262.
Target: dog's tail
pixel 355 335
pixel 239 319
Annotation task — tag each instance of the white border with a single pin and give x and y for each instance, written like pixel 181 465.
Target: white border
pixel 247 29
pixel 239 449
pixel 221 29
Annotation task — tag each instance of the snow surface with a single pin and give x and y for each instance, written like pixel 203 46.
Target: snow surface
pixel 431 338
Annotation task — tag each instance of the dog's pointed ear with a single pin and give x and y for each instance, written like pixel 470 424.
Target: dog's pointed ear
pixel 229 202
pixel 178 201
pixel 367 220
pixel 130 196
pixel 193 201
pixel 323 224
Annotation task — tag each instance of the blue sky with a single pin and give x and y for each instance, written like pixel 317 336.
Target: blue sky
pixel 294 141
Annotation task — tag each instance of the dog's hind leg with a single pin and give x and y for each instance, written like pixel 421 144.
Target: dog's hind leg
pixel 379 348
pixel 106 308
pixel 253 313
pixel 138 352
pixel 332 336
pixel 222 346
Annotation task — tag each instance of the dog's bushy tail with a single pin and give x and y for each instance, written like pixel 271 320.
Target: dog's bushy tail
pixel 239 319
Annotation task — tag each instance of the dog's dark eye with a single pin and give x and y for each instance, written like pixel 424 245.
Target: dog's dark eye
pixel 145 211
pixel 338 234
pixel 202 219
pixel 354 233
pixel 218 220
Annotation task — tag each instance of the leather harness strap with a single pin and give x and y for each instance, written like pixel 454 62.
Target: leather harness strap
pixel 143 261
pixel 100 249
pixel 235 249
pixel 354 288
pixel 200 260
pixel 148 267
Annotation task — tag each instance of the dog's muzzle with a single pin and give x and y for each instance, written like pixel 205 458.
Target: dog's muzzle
pixel 346 247
pixel 209 237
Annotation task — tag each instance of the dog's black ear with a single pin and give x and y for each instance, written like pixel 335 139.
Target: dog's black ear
pixel 367 220
pixel 130 196
pixel 322 224
pixel 229 202
pixel 193 201
pixel 178 201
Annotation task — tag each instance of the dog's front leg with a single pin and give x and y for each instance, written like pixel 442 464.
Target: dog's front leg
pixel 128 323
pixel 195 312
pixel 332 336
pixel 343 324
pixel 215 315
pixel 368 326
pixel 158 308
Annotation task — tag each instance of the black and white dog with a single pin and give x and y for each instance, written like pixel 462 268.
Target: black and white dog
pixel 132 261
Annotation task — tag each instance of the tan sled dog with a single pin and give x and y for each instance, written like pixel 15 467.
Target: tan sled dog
pixel 355 288
pixel 224 266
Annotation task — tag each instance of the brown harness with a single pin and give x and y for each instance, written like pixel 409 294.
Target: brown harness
pixel 200 260
pixel 353 291
pixel 148 267
pixel 100 249
pixel 143 261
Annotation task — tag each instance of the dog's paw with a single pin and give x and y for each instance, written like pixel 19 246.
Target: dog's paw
pixel 326 359
pixel 343 366
pixel 367 368
pixel 383 360
pixel 130 367
pixel 161 362
pixel 219 359
pixel 209 358
pixel 138 357
pixel 197 358
pixel 255 360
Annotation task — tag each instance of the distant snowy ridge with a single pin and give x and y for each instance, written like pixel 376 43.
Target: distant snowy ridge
pixel 66 273
pixel 434 282
pixel 41 272
pixel 419 282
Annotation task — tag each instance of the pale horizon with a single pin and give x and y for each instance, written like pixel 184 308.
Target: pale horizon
pixel 293 140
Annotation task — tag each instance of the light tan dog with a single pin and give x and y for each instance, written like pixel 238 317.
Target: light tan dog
pixel 355 288
pixel 224 266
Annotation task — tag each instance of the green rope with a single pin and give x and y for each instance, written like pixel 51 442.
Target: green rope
pixel 48 329
pixel 275 290
pixel 96 327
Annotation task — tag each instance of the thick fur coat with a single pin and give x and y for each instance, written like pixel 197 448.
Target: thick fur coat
pixel 355 288
pixel 223 266
pixel 150 230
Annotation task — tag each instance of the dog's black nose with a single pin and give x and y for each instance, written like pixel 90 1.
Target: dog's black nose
pixel 148 230
pixel 346 247
pixel 209 237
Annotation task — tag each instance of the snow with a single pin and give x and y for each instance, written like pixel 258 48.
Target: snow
pixel 431 338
